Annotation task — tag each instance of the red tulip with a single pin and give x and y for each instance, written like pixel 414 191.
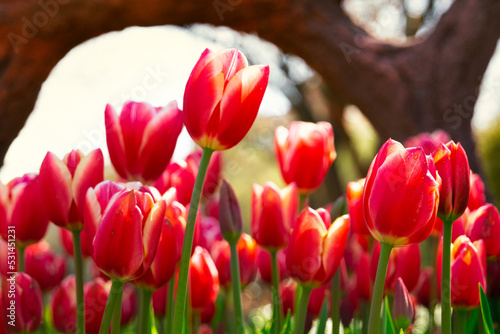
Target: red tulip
pixel 314 252
pixel 66 238
pixel 354 195
pixel 22 306
pixel 468 269
pixel 231 223
pixel 207 232
pixel 273 213
pixel 126 222
pixel 203 279
pixel 214 171
pixel 159 301
pixel 222 98
pixel 95 295
pixel 247 252
pixel 401 194
pixel 30 224
pixel 264 264
pixel 142 139
pixel 305 152
pixel 457 229
pixel 453 168
pixel 45 266
pixel 176 214
pixel 63 305
pixel 484 223
pixel 428 141
pixel 363 281
pixel 163 267
pixel 423 288
pixel 316 300
pixel 403 309
pixel 181 176
pixel 8 258
pixel 477 196
pixel 64 183
pixel 287 290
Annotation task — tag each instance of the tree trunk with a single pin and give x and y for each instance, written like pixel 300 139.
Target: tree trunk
pixel 402 90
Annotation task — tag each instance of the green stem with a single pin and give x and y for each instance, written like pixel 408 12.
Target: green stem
pixel 116 290
pixel 445 280
pixel 300 316
pixel 20 258
pixel 378 288
pixel 302 201
pixel 180 304
pixel 117 314
pixel 335 313
pixel 80 310
pixel 277 317
pixel 169 310
pixel 323 317
pixel 235 282
pixel 460 321
pixel 196 321
pixel 144 312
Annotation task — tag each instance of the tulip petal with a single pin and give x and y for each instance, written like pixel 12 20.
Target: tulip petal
pixel 152 231
pixel 88 173
pixel 133 120
pixel 120 232
pixel 55 188
pixel 203 93
pixel 240 104
pixel 232 62
pixel 158 143
pixel 114 140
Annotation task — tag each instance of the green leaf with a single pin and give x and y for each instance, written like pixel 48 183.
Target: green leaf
pixel 287 324
pixel 387 322
pixel 485 312
pixel 323 318
pixel 472 321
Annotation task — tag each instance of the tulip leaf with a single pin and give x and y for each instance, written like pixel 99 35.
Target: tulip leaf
pixel 323 318
pixel 287 324
pixel 387 322
pixel 485 312
pixel 472 321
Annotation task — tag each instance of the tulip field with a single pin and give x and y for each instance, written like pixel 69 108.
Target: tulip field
pixel 164 243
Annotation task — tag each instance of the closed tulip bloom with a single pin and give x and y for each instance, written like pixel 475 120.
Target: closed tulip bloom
pixel 354 195
pixel 64 183
pixel 273 213
pixel 95 295
pixel 129 224
pixel 401 194
pixel 142 139
pixel 222 98
pixel 22 305
pixel 477 196
pixel 453 168
pixel 163 267
pixel 45 266
pixel 16 197
pixel 468 269
pixel 159 301
pixel 264 264
pixel 63 305
pixel 484 223
pixel 247 254
pixel 203 279
pixel 176 214
pixel 305 152
pixel 314 252
pixel 230 220
pixel 403 309
pixel 181 176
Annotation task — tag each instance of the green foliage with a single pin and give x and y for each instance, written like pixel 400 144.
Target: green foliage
pixel 489 147
pixel 387 322
pixel 485 312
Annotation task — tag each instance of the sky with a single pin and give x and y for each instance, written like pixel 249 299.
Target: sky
pixel 140 64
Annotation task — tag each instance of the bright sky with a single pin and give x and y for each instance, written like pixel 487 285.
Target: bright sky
pixel 141 64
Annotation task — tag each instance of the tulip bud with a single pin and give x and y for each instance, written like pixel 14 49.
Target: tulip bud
pixel 63 305
pixel 314 253
pixel 45 266
pixel 453 168
pixel 222 98
pixel 403 310
pixel 64 184
pixel 484 223
pixel 22 305
pixel 231 223
pixel 273 212
pixel 400 187
pixel 30 225
pixel 203 279
pixel 136 136
pixel 305 152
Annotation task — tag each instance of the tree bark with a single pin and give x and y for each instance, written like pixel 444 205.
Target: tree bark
pixel 403 90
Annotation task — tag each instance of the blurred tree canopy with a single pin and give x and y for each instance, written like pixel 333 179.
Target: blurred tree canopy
pixel 419 84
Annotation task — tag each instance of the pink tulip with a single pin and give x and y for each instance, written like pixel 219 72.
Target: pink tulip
pixel 142 139
pixel 45 266
pixel 484 223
